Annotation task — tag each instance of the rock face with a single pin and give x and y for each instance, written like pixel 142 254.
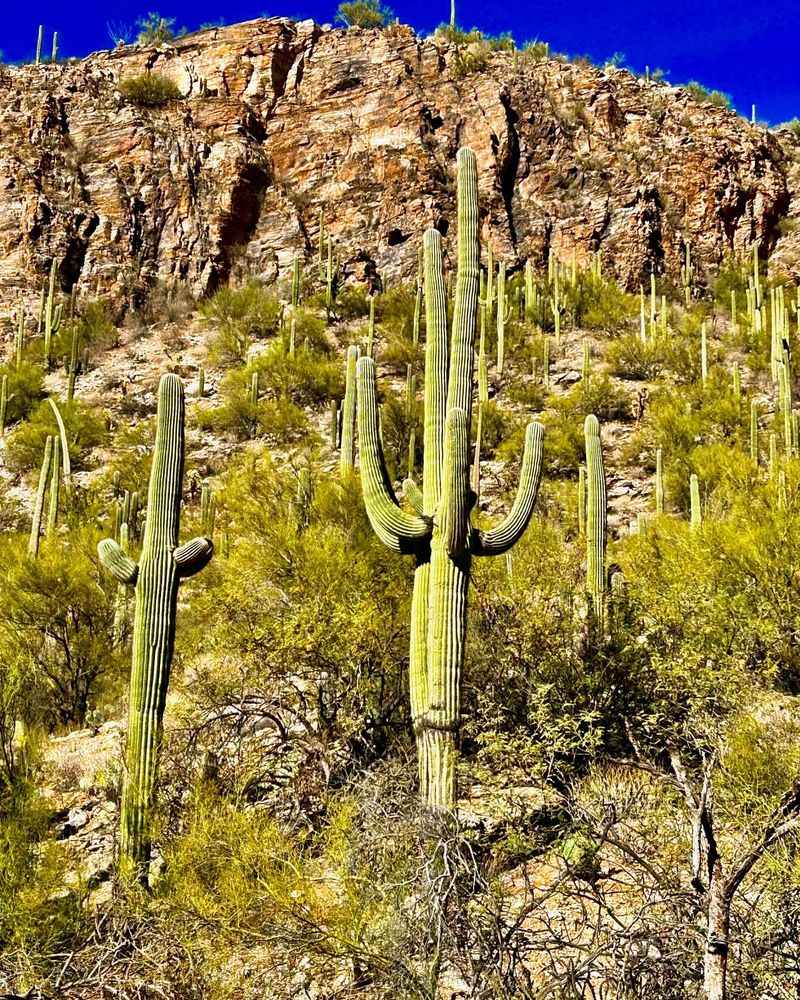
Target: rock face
pixel 281 120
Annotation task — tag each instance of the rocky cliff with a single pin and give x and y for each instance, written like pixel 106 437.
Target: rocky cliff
pixel 280 120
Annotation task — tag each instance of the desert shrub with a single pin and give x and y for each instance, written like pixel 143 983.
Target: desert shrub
pixel 306 379
pixel 630 357
pixel 57 626
pixel 496 426
pixel 310 327
pixel 352 301
pixel 598 395
pixel 240 315
pixel 278 419
pixel 599 304
pixel 149 90
pixel 394 310
pixel 155 29
pixel 526 392
pixel 697 92
pixel 396 426
pixel 25 388
pixel 86 429
pixel 363 14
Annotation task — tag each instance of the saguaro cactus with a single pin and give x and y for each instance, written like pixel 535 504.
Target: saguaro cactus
pixel 347 458
pixel 38 504
pixel 162 566
pixel 439 534
pixel 596 513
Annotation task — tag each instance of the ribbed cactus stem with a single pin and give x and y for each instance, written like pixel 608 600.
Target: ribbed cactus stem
pixel 773 455
pixel 295 282
pixel 596 515
pixel 39 42
pixel 587 361
pixel 347 458
pixel 20 337
pixel 582 500
pixel 38 503
pixel 659 482
pixel 254 389
pixel 55 488
pixel 3 404
pixel 737 382
pixel 696 514
pixel 371 328
pixel 201 383
pixel 502 316
pixel 417 315
pixel 704 353
pixel 122 599
pixel 439 533
pixel 162 566
pixel 754 431
pixel 54 50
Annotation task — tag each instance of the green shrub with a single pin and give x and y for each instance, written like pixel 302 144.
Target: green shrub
pixel 363 14
pixel 631 358
pixel 306 379
pixel 703 95
pixel 155 29
pixel 149 90
pixel 240 315
pixel 25 389
pixel 352 302
pixel 86 429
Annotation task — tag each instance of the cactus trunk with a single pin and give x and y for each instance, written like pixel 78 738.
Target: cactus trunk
pixel 439 534
pixel 161 567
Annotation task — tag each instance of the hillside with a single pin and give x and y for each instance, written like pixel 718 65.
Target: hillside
pixel 279 120
pixel 621 740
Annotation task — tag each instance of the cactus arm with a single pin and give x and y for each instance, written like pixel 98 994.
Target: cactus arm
pixel 436 361
pixel 395 528
pixel 413 494
pixel 500 539
pixel 193 556
pixel 119 565
pixel 455 503
pixel 465 310
pixel 62 430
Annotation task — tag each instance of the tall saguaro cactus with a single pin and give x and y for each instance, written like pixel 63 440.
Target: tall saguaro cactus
pixel 596 515
pixel 439 534
pixel 162 566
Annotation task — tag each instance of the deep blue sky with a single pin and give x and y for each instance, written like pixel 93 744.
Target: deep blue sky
pixel 746 49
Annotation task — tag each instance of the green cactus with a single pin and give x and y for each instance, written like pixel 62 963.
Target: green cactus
pixel 773 455
pixel 3 404
pixel 52 316
pixel 55 489
pixel 20 338
pixel 254 389
pixel 38 504
pixel 503 313
pixel 586 368
pixel 417 315
pixel 201 383
pixel 54 49
pixel 695 513
pixel 162 566
pixel 39 42
pixel 754 431
pixel 295 282
pixel 596 519
pixel 439 534
pixel 347 458
pixel 371 327
pixel 122 600
pixel 581 501
pixel 334 429
pixel 659 482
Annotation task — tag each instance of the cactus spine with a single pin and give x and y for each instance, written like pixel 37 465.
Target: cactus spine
pixel 347 459
pixel 596 516
pixel 38 504
pixel 439 534
pixel 162 566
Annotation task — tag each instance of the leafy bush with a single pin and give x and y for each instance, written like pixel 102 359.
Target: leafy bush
pixel 240 315
pixel 86 429
pixel 25 389
pixel 149 90
pixel 155 29
pixel 703 95
pixel 363 14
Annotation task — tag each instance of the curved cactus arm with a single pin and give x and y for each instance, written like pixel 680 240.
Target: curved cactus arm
pixel 455 504
pixel 413 494
pixel 193 556
pixel 117 562
pixel 395 528
pixel 62 431
pixel 501 538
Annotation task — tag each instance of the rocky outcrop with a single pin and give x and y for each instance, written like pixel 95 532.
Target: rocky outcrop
pixel 280 120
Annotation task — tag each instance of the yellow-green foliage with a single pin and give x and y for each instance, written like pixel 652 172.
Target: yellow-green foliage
pixel 149 90
pixel 86 429
pixel 240 316
pixel 363 14
pixel 25 388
